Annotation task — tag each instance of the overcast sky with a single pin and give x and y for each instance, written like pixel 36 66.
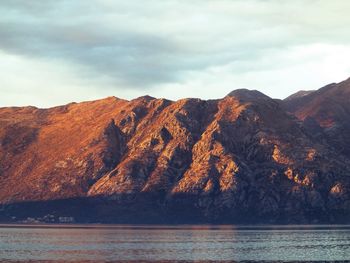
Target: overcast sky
pixel 53 51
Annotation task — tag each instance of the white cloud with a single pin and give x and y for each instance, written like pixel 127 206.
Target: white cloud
pixel 28 81
pixel 277 73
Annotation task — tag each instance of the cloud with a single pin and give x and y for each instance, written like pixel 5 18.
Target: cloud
pixel 136 48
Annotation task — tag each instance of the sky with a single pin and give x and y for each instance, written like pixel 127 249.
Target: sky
pixel 55 52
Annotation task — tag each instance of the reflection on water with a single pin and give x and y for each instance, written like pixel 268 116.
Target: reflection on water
pixel 182 243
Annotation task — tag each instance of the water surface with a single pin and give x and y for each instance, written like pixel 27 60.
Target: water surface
pixel 174 243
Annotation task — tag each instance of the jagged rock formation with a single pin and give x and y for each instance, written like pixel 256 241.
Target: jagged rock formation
pixel 242 158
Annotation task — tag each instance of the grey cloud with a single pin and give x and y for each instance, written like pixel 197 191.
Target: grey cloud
pixel 135 58
pixel 137 44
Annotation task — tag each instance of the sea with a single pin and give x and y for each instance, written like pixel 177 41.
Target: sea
pixel 179 243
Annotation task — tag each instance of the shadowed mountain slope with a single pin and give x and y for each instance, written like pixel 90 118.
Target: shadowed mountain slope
pixel 326 110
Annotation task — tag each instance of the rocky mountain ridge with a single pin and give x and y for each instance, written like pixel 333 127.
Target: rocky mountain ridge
pixel 245 158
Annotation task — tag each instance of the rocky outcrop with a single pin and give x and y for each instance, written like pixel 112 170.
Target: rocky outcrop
pixel 242 158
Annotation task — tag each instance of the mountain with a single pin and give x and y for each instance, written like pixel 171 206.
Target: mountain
pixel 240 159
pixel 326 110
pixel 299 95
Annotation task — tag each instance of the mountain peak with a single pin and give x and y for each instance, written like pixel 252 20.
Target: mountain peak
pixel 248 95
pixel 145 98
pixel 299 94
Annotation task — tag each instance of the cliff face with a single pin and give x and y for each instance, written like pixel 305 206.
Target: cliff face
pixel 242 158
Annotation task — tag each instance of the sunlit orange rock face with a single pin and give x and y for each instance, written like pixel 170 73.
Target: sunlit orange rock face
pixel 242 158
